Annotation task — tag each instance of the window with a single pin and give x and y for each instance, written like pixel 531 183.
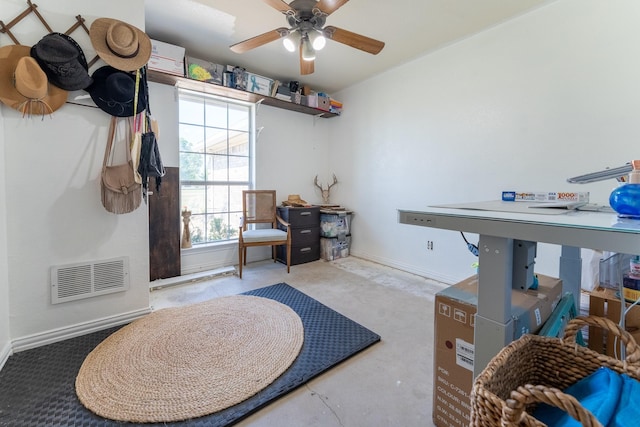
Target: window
pixel 216 163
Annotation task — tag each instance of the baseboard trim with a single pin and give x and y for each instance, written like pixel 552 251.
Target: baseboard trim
pixel 192 278
pixel 55 335
pixel 447 280
pixel 4 354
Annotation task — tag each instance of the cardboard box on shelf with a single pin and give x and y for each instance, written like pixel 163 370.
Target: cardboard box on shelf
pixel 166 58
pixel 455 309
pixel 205 71
pixel 604 302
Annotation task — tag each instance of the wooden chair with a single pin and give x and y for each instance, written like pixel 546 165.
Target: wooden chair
pixel 259 208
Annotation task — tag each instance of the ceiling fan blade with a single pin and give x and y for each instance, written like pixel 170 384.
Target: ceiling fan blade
pixel 330 6
pixel 260 40
pixel 306 67
pixel 354 40
pixel 279 5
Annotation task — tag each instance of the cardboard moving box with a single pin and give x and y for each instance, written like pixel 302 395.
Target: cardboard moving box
pixel 167 58
pixel 604 302
pixel 455 310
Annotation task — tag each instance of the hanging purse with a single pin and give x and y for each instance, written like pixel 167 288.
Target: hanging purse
pixel 118 187
pixel 150 164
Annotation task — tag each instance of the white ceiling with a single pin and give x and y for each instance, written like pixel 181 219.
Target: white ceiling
pixel 410 29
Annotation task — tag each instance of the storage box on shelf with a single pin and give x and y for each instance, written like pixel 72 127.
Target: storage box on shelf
pixel 335 234
pixel 204 71
pixel 259 84
pixel 166 58
pixel 305 234
pixel 455 310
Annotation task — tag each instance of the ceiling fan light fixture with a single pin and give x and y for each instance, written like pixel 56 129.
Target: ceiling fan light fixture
pixel 317 40
pixel 308 54
pixel 289 44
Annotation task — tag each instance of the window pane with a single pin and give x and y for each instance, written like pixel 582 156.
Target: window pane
pixel 191 167
pixel 220 228
pixel 193 197
pixel 190 110
pixel 217 169
pixel 235 198
pixel 216 113
pixel 198 229
pixel 238 117
pixel 238 168
pixel 191 138
pixel 216 140
pixel 218 198
pixel 239 143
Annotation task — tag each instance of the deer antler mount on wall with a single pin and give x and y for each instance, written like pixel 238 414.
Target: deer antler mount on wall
pixel 325 193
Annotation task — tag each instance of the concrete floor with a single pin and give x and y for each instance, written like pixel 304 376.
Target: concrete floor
pixel 388 384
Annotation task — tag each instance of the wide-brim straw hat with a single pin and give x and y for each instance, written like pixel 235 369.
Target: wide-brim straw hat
pixel 63 61
pixel 114 91
pixel 295 201
pixel 121 45
pixel 23 84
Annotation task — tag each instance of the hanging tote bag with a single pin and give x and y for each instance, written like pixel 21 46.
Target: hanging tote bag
pixel 150 165
pixel 150 161
pixel 119 190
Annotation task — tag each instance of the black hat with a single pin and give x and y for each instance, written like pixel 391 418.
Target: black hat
pixel 114 90
pixel 63 61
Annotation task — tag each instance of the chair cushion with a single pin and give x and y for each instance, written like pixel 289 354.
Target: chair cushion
pixel 264 235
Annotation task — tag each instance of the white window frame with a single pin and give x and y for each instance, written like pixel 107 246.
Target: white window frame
pixel 233 215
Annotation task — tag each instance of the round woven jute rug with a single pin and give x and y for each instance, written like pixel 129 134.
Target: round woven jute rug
pixel 180 363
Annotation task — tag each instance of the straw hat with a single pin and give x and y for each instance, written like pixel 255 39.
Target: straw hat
pixel 114 91
pixel 63 61
pixel 295 201
pixel 119 44
pixel 23 84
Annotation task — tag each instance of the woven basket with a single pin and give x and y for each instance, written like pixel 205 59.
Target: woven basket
pixel 536 369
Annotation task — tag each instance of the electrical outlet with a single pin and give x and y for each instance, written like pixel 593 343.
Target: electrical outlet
pixel 429 245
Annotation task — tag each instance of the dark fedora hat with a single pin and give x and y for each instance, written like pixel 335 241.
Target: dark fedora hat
pixel 114 91
pixel 62 60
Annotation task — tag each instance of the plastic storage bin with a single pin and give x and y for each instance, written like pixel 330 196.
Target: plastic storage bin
pixel 612 269
pixel 335 224
pixel 334 248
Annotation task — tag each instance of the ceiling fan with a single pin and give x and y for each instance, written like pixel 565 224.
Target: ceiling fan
pixel 306 19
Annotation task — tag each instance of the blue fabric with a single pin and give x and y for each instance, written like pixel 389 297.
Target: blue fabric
pixel 599 393
pixel 627 412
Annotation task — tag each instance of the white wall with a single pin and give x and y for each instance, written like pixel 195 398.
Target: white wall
pixel 53 211
pixel 525 105
pixel 5 343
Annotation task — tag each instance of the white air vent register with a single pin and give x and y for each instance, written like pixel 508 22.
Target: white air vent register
pixel 83 280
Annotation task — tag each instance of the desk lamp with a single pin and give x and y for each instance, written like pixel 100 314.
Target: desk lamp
pixel 625 199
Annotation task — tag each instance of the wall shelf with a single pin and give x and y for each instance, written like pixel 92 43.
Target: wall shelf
pixel 213 89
